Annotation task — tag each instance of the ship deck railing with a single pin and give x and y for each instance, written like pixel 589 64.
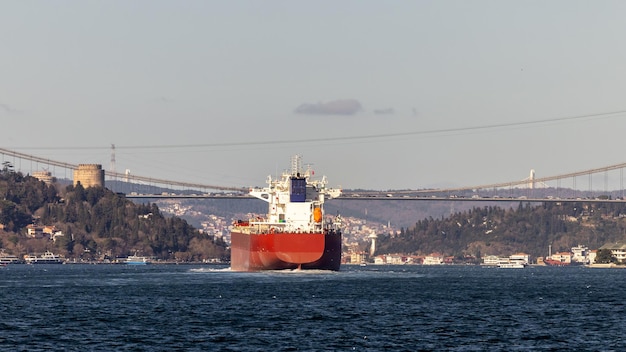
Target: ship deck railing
pixel 255 227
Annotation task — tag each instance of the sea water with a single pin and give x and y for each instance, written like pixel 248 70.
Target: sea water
pixel 372 308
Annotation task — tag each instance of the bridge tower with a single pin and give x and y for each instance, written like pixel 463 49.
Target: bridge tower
pixel 531 179
pixel 112 158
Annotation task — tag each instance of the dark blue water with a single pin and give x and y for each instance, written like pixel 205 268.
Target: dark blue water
pixel 396 308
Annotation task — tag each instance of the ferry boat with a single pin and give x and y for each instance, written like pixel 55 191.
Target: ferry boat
pixel 46 258
pixel 294 234
pixel 137 260
pixel 6 259
pixel 511 265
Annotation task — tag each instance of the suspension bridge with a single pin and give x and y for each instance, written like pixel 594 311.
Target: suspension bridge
pixel 530 189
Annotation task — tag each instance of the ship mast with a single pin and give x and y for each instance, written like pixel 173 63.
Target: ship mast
pixel 296 165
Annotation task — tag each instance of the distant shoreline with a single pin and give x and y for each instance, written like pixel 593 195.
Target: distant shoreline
pixel 606 266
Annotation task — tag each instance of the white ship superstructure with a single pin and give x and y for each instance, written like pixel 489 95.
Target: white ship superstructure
pixel 295 201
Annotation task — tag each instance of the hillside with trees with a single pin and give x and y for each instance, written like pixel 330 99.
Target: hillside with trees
pixel 491 230
pixel 93 224
pixel 96 224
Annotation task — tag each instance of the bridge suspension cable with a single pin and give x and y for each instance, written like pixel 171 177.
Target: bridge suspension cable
pixel 117 174
pixel 522 182
pixel 152 180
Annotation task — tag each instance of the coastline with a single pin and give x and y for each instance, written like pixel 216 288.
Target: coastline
pixel 606 266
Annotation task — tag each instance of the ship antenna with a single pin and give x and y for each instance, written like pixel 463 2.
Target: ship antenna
pixel 295 165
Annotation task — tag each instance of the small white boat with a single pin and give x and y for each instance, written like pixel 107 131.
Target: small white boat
pixel 137 260
pixel 511 265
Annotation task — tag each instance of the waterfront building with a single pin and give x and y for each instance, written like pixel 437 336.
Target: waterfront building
pixel 433 259
pixel 618 250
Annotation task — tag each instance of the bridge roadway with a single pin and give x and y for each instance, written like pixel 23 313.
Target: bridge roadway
pixel 386 197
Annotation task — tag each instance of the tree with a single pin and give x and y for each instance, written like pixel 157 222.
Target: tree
pixel 604 256
pixel 12 216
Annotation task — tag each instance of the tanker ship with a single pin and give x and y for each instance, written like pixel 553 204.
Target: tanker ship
pixel 295 233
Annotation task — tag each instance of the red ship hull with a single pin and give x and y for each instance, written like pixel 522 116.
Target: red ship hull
pixel 278 251
pixel 552 262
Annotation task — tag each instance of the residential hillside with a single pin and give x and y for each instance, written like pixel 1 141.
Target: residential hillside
pixel 92 224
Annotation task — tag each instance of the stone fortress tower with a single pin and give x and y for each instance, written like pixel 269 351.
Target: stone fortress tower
pixel 45 176
pixel 89 175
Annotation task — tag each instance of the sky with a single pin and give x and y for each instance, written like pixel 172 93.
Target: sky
pixel 378 95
